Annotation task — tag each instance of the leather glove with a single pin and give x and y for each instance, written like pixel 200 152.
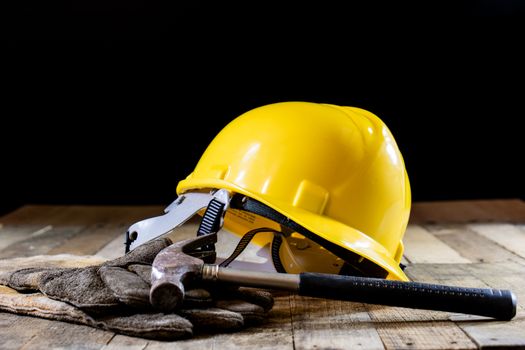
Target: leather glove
pixel 114 296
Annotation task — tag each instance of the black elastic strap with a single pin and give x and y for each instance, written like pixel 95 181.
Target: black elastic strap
pixel 211 221
pixel 366 267
pixel 276 259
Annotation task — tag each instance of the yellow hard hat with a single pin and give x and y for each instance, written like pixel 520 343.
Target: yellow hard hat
pixel 331 178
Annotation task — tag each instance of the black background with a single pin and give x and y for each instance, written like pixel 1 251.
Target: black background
pixel 100 121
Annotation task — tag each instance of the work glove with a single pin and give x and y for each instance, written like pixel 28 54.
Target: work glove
pixel 114 295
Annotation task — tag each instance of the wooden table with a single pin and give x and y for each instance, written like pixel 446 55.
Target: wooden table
pixel 473 244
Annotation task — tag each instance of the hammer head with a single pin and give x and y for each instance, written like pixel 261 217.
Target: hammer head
pixel 175 266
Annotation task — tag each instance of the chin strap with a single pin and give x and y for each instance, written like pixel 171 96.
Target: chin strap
pixel 276 259
pixel 356 265
pixel 246 239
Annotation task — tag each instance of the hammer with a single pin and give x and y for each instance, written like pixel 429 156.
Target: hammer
pixel 174 267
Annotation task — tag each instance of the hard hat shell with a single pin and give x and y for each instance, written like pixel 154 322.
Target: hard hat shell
pixel 336 171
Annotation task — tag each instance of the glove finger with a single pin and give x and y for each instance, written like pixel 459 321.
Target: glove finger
pixel 82 288
pixel 25 279
pixel 143 254
pixel 197 298
pixel 126 286
pixel 213 320
pixel 251 313
pixel 152 326
pixel 143 271
pixel 256 296
pixel 10 266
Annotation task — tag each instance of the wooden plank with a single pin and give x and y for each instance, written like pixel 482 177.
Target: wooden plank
pixel 90 240
pixel 506 275
pixel 403 328
pixel 30 214
pixel 99 234
pixel 65 224
pixel 423 335
pixel 500 334
pixel 66 335
pixel 471 245
pixel 40 244
pixel 15 331
pixel 26 221
pixel 483 331
pixel 446 212
pixel 119 342
pixel 497 334
pixel 71 228
pixel 11 235
pixel 506 235
pixel 322 323
pixel 506 210
pixel 468 275
pixel 423 247
pixel 276 334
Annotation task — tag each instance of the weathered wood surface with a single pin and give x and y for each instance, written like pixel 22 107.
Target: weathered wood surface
pixel 468 243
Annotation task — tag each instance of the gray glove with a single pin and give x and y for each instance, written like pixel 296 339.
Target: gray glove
pixel 115 296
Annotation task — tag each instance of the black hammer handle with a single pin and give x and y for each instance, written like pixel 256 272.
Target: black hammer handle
pixel 497 303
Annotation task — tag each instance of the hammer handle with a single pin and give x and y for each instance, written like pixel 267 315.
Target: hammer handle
pixel 496 303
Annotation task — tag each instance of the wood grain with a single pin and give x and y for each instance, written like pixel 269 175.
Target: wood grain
pixel 497 333
pixel 505 210
pixel 55 230
pixel 15 331
pixel 417 241
pixel 403 328
pixel 423 335
pixel 472 244
pixel 508 236
pixel 66 335
pixel 119 342
pixel 483 331
pixel 331 324
pixel 23 222
pixel 31 214
pixel 97 234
